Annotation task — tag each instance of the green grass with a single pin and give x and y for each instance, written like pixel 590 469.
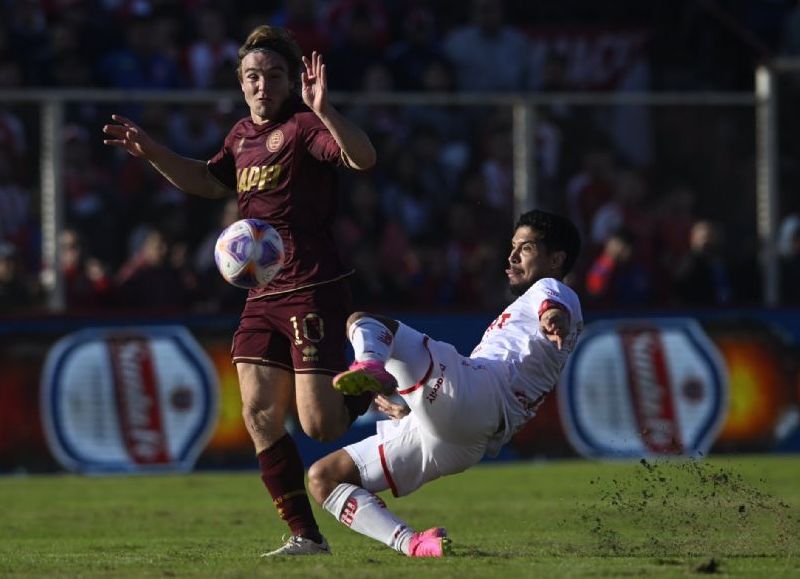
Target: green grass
pixel 736 517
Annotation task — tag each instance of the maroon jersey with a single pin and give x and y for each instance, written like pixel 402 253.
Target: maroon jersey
pixel 284 173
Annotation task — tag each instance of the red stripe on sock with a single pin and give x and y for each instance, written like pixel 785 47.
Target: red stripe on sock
pixel 386 472
pixel 427 374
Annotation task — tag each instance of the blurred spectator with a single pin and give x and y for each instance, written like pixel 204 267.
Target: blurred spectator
pixel 87 284
pixel 617 277
pixel 88 193
pixel 496 160
pixel 212 50
pixel 703 277
pixel 790 37
pixel 368 14
pixel 474 258
pixel 373 242
pixel 194 131
pixel 591 187
pixel 15 202
pixel 139 64
pixel 148 278
pixel 13 142
pixel 488 54
pixel 305 18
pixel 15 293
pixel 361 43
pixel 448 121
pixel 405 197
pixel 789 251
pixel 214 293
pixel 29 41
pixel 383 123
pixel 409 57
pixel 675 216
pixel 628 209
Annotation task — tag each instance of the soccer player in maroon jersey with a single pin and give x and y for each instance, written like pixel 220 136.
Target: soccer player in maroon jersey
pixel 281 162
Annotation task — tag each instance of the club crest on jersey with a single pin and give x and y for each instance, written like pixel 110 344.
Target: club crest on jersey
pixel 275 141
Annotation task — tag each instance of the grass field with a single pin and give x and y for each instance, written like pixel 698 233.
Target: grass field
pixel 736 517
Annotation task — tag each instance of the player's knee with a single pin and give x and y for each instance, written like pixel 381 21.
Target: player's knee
pixel 322 430
pixel 321 481
pixel 261 423
pixel 354 317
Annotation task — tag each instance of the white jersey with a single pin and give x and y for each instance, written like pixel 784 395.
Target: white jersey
pixel 532 364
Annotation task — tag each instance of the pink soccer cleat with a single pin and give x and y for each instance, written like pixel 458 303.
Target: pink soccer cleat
pixel 431 543
pixel 367 376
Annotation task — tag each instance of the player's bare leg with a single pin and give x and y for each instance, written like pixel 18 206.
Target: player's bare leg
pixel 335 483
pixel 321 410
pixel 267 395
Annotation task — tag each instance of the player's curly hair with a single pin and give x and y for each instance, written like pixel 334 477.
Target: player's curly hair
pixel 557 233
pixel 278 40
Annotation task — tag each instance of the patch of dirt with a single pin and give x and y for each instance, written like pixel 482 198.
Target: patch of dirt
pixel 688 508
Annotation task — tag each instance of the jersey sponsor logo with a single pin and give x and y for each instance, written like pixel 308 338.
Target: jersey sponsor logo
pixel 258 178
pixel 434 392
pixel 128 400
pixel 643 388
pixel 275 141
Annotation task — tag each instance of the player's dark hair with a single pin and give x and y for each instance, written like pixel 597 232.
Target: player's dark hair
pixel 278 40
pixel 557 233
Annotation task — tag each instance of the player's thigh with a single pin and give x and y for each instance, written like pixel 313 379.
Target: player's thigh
pixel 315 321
pixel 267 397
pixel 410 361
pixel 320 408
pixel 403 456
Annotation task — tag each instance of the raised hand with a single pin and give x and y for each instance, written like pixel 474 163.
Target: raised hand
pixel 128 135
pixel 315 83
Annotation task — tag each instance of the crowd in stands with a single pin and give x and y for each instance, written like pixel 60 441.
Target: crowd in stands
pixel 664 197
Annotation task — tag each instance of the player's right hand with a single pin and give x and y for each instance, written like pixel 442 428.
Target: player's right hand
pixel 390 408
pixel 128 135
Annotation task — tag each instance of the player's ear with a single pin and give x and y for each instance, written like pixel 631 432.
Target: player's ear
pixel 557 259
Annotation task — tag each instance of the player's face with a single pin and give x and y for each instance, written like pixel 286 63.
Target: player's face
pixel 529 261
pixel 265 84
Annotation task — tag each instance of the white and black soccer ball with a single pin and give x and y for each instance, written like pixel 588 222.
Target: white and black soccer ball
pixel 249 253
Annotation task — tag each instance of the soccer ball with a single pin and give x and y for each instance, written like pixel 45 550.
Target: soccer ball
pixel 249 253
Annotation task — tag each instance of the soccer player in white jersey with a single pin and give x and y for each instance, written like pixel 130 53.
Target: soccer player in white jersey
pixel 457 409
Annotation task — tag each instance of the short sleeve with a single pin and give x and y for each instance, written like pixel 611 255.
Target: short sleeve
pixel 548 294
pixel 319 141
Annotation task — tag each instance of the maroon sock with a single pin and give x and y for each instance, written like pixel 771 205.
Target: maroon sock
pixel 358 404
pixel 283 474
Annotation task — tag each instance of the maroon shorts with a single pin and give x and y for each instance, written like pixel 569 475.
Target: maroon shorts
pixel 303 331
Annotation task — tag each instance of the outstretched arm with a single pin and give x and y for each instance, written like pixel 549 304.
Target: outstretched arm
pixel 189 175
pixel 355 144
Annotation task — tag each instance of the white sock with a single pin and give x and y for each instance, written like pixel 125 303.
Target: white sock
pixel 371 340
pixel 367 514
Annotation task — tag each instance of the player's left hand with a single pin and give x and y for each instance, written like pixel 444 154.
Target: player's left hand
pixel 391 409
pixel 554 324
pixel 315 83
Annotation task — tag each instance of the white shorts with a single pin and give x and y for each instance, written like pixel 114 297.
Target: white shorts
pixel 455 411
